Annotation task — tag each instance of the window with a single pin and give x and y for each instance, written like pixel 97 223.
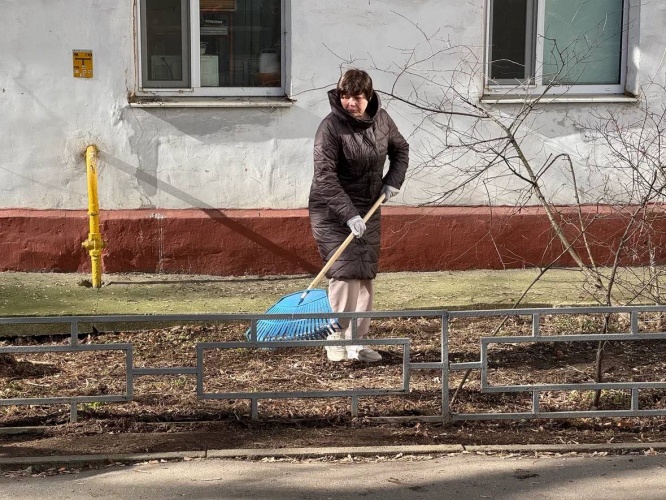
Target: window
pixel 576 46
pixel 211 47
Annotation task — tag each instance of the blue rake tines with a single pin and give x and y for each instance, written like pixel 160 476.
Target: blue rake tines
pixel 315 301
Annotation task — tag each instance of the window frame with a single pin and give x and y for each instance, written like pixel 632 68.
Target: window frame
pixel 192 63
pixel 534 85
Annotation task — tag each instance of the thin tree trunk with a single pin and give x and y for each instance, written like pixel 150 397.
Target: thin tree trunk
pixel 598 364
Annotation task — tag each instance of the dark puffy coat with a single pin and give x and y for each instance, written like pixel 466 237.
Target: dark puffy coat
pixel 349 159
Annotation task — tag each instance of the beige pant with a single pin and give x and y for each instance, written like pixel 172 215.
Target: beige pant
pixel 347 295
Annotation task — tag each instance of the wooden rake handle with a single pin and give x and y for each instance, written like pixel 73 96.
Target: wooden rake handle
pixel 342 247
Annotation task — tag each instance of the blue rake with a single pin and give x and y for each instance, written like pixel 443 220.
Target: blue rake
pixel 315 301
pixel 310 300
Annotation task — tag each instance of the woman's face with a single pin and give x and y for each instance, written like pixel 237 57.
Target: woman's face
pixel 355 105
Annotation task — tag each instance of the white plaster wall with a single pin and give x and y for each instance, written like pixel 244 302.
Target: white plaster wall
pixel 235 158
pixel 47 115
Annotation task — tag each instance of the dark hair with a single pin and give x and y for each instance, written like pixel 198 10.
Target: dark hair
pixel 355 82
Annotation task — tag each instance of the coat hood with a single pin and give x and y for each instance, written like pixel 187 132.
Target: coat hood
pixel 336 107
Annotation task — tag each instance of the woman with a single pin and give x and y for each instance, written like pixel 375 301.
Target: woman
pixel 350 150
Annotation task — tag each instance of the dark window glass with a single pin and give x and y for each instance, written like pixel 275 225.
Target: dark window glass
pixel 240 43
pixel 508 47
pixel 165 47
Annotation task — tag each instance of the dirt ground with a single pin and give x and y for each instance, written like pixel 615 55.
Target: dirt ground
pixel 165 414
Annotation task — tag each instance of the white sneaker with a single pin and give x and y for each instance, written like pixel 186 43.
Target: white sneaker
pixel 363 353
pixel 335 352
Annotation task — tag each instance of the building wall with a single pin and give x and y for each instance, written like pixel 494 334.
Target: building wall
pixel 157 160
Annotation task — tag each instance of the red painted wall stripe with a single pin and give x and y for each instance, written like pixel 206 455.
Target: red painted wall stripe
pixel 265 242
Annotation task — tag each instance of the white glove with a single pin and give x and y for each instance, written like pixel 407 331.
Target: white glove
pixel 357 226
pixel 389 192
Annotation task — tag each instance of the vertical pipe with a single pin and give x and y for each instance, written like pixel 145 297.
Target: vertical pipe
pixel 74 333
pixel 94 244
pixel 444 356
pixel 93 203
pixel 536 332
pixel 73 413
pixel 634 323
pixel 634 399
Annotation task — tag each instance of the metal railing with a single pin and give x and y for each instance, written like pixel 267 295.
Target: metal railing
pixel 442 365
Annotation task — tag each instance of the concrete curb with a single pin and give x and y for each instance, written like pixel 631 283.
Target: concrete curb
pixel 565 448
pixel 359 451
pixel 336 452
pixel 81 460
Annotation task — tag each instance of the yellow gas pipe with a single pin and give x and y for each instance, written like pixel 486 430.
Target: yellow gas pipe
pixel 94 244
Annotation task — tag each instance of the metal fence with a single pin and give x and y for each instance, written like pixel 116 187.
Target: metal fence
pixel 409 367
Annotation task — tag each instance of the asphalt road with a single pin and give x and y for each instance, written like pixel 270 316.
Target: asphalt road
pixel 459 476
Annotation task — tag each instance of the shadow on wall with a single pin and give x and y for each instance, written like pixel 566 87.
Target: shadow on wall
pixel 214 213
pixel 246 125
pixel 146 129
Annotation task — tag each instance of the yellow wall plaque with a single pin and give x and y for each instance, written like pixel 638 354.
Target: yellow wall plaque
pixel 83 63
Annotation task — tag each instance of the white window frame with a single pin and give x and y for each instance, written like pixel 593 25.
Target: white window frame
pixel 536 86
pixel 195 89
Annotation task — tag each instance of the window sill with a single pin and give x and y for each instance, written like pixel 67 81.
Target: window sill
pixel 558 99
pixel 209 102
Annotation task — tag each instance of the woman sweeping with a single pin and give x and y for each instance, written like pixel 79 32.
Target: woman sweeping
pixel 350 151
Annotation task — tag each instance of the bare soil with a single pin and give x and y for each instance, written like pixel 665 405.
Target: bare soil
pixel 165 414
